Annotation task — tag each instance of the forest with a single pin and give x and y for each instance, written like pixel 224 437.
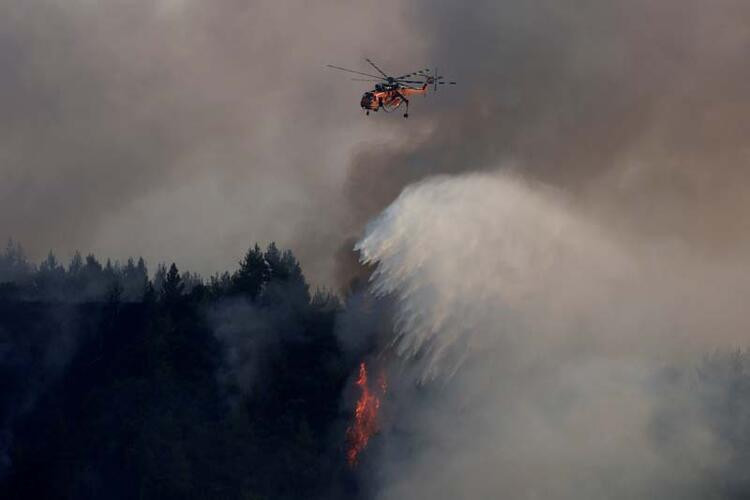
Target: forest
pixel 115 383
pixel 120 383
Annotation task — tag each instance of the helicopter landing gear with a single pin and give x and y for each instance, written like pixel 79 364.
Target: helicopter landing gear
pixel 367 113
pixel 406 101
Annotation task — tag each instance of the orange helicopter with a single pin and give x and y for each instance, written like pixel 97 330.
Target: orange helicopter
pixel 390 92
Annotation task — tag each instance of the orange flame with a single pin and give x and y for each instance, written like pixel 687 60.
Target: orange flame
pixel 365 423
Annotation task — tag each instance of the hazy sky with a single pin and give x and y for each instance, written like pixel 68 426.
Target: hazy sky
pixel 188 130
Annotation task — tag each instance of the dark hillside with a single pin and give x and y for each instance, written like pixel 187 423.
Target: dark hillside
pixel 127 396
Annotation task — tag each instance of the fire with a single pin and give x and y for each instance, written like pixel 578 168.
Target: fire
pixel 365 423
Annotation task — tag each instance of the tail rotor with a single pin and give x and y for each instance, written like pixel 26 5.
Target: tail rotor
pixel 436 79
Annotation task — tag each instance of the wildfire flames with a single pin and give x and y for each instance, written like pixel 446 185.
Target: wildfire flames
pixel 365 415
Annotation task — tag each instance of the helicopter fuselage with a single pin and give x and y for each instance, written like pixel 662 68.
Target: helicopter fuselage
pixel 388 97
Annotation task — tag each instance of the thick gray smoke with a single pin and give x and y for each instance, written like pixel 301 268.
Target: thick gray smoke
pixel 182 129
pixel 538 321
pixel 537 340
pixel 185 130
pixel 638 108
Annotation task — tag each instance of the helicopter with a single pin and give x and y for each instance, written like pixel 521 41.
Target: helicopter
pixel 391 92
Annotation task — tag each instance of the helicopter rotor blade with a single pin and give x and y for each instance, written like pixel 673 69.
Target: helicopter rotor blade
pixel 415 73
pixel 375 66
pixel 367 79
pixel 352 71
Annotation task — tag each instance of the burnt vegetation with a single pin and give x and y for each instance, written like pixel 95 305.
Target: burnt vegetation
pixel 116 383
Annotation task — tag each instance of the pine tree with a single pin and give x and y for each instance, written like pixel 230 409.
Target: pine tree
pixel 275 265
pixel 141 267
pixel 173 285
pixel 287 283
pixel 252 275
pixel 13 264
pixel 76 264
pixel 50 279
pixel 93 284
pixel 149 294
pixel 160 277
pixel 74 280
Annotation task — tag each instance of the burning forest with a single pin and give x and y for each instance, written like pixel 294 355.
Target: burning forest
pixel 550 261
pixel 366 415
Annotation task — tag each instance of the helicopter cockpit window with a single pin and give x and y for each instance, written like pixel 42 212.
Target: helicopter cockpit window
pixel 367 100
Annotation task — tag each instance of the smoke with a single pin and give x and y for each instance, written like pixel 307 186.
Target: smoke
pixel 249 340
pixel 154 127
pixel 184 129
pixel 252 337
pixel 534 345
pixel 637 109
pixel 538 321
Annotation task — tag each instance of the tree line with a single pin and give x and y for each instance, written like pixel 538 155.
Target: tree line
pixel 120 384
pixel 115 383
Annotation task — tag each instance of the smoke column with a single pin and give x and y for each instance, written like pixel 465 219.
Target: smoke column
pixel 532 343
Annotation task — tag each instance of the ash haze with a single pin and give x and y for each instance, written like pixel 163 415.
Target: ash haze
pixel 191 129
pixel 639 108
pixel 185 128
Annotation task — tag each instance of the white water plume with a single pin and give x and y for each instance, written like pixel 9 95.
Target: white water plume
pixel 550 335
